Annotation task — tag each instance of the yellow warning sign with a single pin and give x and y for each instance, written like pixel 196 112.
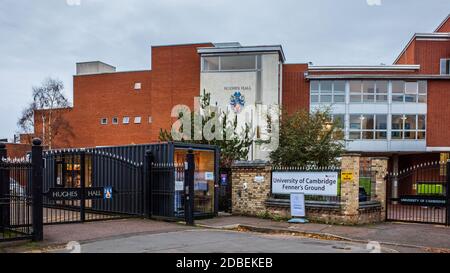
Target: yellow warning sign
pixel 346 176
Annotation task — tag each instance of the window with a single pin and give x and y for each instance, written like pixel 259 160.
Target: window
pixel 409 127
pixel 103 121
pixel 445 66
pixel 327 92
pixel 241 62
pixel 211 63
pixel 409 91
pixel 150 119
pixel 368 91
pixel 368 88
pixel 115 120
pixel 355 91
pixel 368 127
pixel 423 90
pixel 137 120
pixel 381 91
pixel 137 86
pixel 126 120
pixel 230 63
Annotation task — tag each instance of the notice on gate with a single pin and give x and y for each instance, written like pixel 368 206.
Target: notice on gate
pixel 75 193
pixel 308 183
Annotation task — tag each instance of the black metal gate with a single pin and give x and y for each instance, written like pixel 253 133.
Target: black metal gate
pixel 419 194
pixel 15 199
pixel 88 185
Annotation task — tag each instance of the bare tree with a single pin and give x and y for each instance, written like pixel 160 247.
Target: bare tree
pixel 49 102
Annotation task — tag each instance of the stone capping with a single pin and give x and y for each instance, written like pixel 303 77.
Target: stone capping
pixel 272 202
pixel 251 164
pixel 351 155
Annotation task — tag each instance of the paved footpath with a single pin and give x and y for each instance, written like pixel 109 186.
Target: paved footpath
pixel 200 240
pixel 402 236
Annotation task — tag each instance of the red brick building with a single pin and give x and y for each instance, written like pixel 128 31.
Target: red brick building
pixel 394 110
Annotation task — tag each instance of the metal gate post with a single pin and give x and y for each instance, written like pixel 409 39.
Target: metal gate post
pixel 37 169
pixel 83 187
pixel 148 173
pixel 4 191
pixel 447 193
pixel 189 188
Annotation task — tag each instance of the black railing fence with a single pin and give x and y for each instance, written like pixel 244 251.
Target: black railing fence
pixel 15 199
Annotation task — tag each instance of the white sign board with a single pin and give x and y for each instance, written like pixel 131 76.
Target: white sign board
pixel 179 185
pixel 298 205
pixel 308 183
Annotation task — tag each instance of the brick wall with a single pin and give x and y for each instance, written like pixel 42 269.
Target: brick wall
pixel 438 119
pixel 254 198
pixel 295 88
pixel 14 150
pixel 174 79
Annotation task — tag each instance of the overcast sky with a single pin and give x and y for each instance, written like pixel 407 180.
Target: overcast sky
pixel 47 37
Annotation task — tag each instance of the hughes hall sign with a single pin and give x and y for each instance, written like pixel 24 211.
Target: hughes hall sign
pixel 308 183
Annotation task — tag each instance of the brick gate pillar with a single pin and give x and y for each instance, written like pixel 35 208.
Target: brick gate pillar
pixel 380 166
pixel 350 188
pixel 251 185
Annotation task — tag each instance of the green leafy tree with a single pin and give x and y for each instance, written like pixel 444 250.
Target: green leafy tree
pixel 309 139
pixel 234 144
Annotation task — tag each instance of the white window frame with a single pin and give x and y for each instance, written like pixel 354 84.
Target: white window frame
pixel 116 120
pixel 445 66
pixel 126 120
pixel 137 86
pixel 375 131
pixel 104 121
pixel 416 131
pixel 333 92
pixel 137 120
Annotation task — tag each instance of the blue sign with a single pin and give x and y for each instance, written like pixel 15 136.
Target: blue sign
pixel 223 179
pixel 108 193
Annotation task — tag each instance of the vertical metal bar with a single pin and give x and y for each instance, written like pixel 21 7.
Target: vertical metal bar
pixel 189 188
pixel 82 187
pixel 447 194
pixel 148 183
pixel 37 167
pixel 4 188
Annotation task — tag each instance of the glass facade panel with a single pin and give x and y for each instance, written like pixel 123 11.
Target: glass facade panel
pixel 211 63
pixel 241 62
pixel 397 122
pixel 368 122
pixel 381 122
pixel 355 122
pixel 339 86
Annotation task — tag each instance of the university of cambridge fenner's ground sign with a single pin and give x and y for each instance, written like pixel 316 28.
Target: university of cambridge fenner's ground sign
pixel 308 183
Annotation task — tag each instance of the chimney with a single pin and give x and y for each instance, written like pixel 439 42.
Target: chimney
pixel 96 67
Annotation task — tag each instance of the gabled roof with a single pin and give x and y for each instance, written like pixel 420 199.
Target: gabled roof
pixel 445 24
pixel 437 35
